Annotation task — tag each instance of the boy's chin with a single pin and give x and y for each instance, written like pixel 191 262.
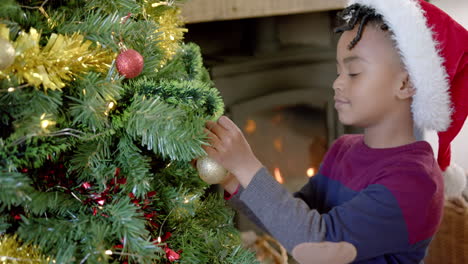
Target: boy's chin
pixel 345 121
pixel 351 122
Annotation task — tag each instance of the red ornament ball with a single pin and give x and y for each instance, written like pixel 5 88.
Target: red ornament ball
pixel 130 63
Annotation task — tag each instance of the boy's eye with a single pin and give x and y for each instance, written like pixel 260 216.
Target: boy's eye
pixel 353 74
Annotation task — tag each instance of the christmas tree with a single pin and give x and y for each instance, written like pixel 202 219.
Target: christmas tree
pixel 102 110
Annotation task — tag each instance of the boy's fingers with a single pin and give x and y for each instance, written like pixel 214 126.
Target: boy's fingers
pixel 214 141
pixel 227 124
pixel 218 130
pixel 210 124
pixel 210 151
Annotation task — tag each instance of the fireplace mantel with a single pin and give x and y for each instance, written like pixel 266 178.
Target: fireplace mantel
pixel 196 11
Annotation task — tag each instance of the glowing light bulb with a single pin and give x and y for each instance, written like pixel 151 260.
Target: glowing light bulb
pixel 45 123
pixel 108 252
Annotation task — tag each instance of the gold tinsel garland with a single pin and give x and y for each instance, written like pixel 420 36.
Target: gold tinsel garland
pixel 13 251
pixel 62 59
pixel 171 27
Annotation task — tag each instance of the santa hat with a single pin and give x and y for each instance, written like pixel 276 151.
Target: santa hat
pixel 434 49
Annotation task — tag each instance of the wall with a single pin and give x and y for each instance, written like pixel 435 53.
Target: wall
pixel 458 9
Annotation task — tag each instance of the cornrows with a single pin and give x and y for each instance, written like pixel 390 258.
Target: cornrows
pixel 358 14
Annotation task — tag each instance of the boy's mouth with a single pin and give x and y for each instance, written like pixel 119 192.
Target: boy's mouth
pixel 340 102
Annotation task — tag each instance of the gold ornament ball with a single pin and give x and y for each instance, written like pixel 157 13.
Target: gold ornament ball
pixel 210 171
pixel 7 54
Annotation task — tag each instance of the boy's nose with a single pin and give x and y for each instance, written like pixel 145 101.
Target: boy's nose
pixel 337 84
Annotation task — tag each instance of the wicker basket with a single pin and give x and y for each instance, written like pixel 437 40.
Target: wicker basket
pixel 267 249
pixel 450 244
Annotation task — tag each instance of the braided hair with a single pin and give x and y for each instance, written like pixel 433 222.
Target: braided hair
pixel 358 14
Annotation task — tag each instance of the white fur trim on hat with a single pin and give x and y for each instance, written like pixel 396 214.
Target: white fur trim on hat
pixel 431 105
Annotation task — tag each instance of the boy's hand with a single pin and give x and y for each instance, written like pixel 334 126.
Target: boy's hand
pixel 231 150
pixel 230 184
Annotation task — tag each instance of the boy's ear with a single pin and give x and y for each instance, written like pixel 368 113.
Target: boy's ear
pixel 406 89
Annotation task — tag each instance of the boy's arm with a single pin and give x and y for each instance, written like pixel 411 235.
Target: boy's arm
pixel 309 193
pixel 232 192
pixel 370 225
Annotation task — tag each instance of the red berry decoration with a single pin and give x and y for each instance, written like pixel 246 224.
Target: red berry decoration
pixel 129 63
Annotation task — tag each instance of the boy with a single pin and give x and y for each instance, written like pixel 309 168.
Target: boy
pixel 378 197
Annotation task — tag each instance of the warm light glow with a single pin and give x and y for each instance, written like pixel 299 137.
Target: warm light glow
pixel 278 176
pixel 108 252
pixel 110 105
pixel 250 126
pixel 310 172
pixel 43 115
pixel 278 143
pixel 159 239
pixel 11 89
pixel 45 123
pixel 277 119
pixel 160 3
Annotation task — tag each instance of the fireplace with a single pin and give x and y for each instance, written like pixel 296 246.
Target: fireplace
pixel 288 132
pixel 275 75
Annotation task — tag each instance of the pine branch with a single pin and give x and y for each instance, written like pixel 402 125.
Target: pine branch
pixel 4 225
pixel 169 132
pixel 129 226
pixel 209 236
pixel 15 189
pixel 191 96
pixel 123 7
pixel 181 173
pixel 135 167
pixel 14 156
pixel 180 203
pixel 191 56
pixel 56 203
pixel 91 161
pixel 17 18
pixel 28 107
pixel 187 64
pixel 98 27
pixel 90 104
pixel 85 237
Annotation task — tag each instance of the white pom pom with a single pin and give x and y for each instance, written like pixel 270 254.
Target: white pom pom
pixel 454 181
pixel 465 191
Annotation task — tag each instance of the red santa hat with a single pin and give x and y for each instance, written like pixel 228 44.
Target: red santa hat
pixel 434 49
